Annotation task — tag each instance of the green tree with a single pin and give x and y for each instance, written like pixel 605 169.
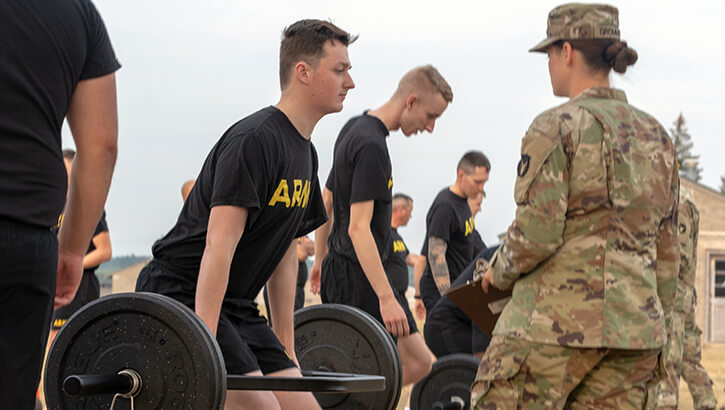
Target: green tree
pixel 689 163
pixel 722 184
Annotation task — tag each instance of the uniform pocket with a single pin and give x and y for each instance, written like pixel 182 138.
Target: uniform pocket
pixel 501 362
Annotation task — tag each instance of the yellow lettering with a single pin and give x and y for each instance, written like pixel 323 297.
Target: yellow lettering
pixel 398 246
pixel 305 193
pixel 390 182
pixel 281 194
pixel 470 226
pixel 296 194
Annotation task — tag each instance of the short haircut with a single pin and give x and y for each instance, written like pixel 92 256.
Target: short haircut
pixel 305 41
pixel 471 160
pixel 424 79
pixel 69 154
pixel 401 200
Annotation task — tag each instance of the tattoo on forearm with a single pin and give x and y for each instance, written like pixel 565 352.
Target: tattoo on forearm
pixel 438 266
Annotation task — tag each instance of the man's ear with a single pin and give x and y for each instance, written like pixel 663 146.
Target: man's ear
pixel 303 72
pixel 411 100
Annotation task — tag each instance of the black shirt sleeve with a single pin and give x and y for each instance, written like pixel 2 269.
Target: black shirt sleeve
pixel 371 174
pixel 441 222
pixel 239 175
pixel 102 225
pixel 101 59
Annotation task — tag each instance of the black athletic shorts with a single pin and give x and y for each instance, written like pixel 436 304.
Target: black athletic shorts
pixel 28 270
pixel 247 343
pixel 88 291
pixel 344 282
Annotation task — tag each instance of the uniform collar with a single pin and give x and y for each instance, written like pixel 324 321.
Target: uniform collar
pixel 603 92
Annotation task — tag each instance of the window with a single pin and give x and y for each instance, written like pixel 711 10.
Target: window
pixel 719 284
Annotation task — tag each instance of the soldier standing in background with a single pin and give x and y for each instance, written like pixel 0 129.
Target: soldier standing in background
pixel 684 311
pixel 593 251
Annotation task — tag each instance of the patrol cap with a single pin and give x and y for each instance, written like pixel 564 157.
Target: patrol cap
pixel 575 21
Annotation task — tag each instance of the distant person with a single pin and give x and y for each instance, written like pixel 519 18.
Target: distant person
pixel 683 340
pixel 99 251
pixel 56 63
pixel 305 249
pixel 257 192
pixel 448 329
pixel 396 267
pixel 358 198
pixel 592 253
pixel 449 244
pixel 186 188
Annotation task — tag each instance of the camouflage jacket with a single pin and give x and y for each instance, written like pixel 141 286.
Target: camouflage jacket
pixel 689 222
pixel 593 252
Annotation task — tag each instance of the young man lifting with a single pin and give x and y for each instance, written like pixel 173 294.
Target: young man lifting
pixel 257 189
pixel 358 196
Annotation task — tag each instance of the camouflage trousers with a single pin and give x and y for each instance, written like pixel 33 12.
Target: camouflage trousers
pixel 696 377
pixel 517 374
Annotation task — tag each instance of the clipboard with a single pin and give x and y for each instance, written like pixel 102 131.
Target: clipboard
pixel 483 308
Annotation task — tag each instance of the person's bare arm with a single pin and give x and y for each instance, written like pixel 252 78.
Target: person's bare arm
pixel 321 235
pixel 102 253
pixel 93 121
pixel 281 291
pixel 438 266
pixel 418 268
pixel 226 225
pixel 361 214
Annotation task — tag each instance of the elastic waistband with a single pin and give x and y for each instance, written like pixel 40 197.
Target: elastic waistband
pixel 12 225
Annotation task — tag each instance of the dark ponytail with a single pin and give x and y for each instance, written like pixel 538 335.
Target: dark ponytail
pixel 603 54
pixel 618 56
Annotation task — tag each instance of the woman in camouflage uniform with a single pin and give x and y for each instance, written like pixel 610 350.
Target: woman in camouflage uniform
pixel 593 253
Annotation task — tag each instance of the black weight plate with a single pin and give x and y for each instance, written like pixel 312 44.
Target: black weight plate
pixel 396 384
pixel 344 339
pixel 156 336
pixel 450 376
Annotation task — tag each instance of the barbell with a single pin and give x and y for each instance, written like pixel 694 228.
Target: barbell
pixel 148 351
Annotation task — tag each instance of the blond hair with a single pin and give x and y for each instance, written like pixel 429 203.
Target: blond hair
pixel 426 80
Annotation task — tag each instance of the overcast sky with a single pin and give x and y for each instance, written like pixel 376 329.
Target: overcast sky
pixel 192 68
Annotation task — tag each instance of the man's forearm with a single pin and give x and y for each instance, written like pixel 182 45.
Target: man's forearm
pixel 212 285
pixel 367 254
pixel 439 268
pixel 281 291
pixel 93 122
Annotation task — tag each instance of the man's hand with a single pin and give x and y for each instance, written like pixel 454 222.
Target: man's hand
pixel 487 280
pixel 70 271
pixel 419 309
pixel 394 317
pixel 315 277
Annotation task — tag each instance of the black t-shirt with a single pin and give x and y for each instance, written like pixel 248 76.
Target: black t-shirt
pixel 46 48
pixel 478 244
pixel 361 171
pixel 101 227
pixel 395 267
pixel 449 218
pixel 263 164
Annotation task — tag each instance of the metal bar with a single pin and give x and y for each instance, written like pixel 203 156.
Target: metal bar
pixel 331 383
pixel 90 384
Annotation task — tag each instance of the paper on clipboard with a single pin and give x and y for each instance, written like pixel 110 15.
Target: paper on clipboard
pixel 483 308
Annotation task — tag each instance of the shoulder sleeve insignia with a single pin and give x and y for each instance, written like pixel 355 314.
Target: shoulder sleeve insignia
pixel 523 166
